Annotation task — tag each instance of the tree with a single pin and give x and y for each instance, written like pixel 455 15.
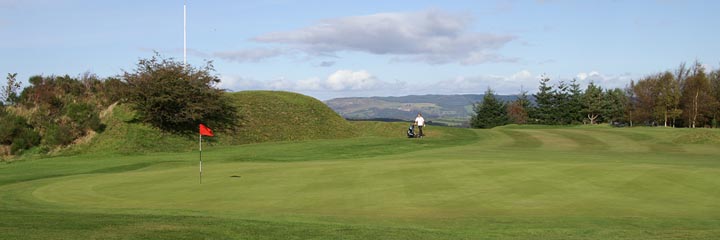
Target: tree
pixel 681 76
pixel 668 99
pixel 715 83
pixel 113 90
pixel 544 100
pixel 490 113
pixel 697 99
pixel 176 97
pixel 630 104
pixel 682 73
pixel 561 112
pixel 518 110
pixel 593 102
pixel 575 100
pixel 8 94
pixel 645 100
pixel 617 101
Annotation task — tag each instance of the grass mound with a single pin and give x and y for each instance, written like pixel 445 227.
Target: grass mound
pixel 124 134
pixel 270 116
pixel 698 136
pixel 266 116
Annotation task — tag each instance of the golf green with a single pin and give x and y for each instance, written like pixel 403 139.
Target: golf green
pixel 505 183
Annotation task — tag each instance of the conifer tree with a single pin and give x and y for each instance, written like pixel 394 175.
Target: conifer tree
pixel 575 105
pixel 490 113
pixel 543 113
pixel 520 109
pixel 593 102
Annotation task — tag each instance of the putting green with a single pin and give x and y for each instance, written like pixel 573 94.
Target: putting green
pixel 576 179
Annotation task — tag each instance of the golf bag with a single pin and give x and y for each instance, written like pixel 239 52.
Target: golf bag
pixel 411 131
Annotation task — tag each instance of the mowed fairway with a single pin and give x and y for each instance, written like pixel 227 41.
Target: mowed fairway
pixel 504 183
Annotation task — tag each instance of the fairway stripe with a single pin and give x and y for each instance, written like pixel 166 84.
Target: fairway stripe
pixel 555 183
pixel 521 139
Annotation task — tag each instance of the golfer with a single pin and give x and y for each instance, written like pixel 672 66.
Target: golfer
pixel 420 122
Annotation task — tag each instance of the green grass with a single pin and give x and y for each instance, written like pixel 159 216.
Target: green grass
pixel 268 116
pixel 512 182
pixel 125 134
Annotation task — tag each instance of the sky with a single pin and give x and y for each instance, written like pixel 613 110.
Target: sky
pixel 330 49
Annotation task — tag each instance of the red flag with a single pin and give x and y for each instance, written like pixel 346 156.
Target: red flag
pixel 205 131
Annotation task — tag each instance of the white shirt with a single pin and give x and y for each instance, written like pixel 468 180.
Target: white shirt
pixel 420 121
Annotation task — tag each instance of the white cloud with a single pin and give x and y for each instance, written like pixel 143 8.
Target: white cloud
pixel 339 81
pixel 592 75
pixel 606 81
pixel 281 84
pixel 481 57
pixel 351 80
pixel 581 76
pixel 521 75
pixel 233 82
pixel 528 81
pixel 348 83
pixel 248 55
pixel 435 37
pixel 510 84
pixel 312 84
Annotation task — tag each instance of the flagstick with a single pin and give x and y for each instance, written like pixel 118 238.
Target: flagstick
pixel 200 158
pixel 185 33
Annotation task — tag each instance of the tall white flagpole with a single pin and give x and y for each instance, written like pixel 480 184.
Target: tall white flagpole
pixel 185 33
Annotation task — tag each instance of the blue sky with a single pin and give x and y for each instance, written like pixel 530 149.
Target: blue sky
pixel 330 49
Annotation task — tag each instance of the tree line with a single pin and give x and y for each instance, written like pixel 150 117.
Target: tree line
pixel 686 97
pixel 55 111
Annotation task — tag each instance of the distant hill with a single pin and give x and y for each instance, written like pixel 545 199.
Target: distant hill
pixel 450 109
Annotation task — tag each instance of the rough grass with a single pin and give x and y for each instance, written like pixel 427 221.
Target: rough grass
pixel 504 183
pixel 125 134
pixel 698 136
pixel 266 116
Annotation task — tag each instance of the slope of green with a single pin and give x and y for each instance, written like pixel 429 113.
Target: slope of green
pixel 698 136
pixel 504 183
pixel 284 116
pixel 124 134
pixel 266 116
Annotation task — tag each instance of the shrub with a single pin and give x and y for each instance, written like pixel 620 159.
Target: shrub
pixel 58 135
pixel 113 90
pixel 176 97
pixel 10 126
pixel 15 131
pixel 83 115
pixel 26 139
